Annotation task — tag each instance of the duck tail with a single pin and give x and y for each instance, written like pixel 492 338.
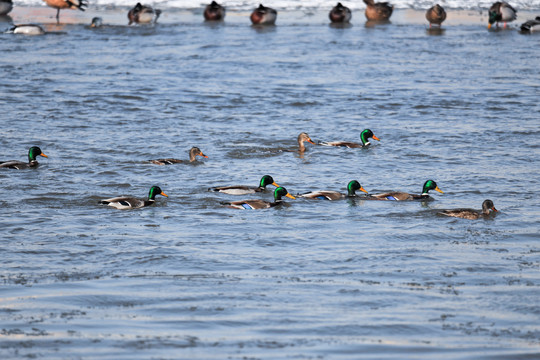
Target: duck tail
pixel 79 4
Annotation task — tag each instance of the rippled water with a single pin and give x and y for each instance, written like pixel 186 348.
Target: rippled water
pixel 189 278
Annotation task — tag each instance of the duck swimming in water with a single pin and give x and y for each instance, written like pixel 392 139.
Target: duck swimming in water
pixel 487 209
pixel 364 137
pixel 214 12
pixel 142 14
pixel 66 4
pixel 378 11
pixel 261 204
pixel 340 14
pixel 435 15
pixel 26 29
pixel 403 196
pixel 335 195
pixel 302 138
pixel 243 189
pixel 531 25
pixel 263 16
pixel 33 153
pixel 501 12
pixel 193 152
pixel 128 202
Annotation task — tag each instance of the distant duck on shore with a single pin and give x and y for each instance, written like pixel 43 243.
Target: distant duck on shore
pixel 380 11
pixel 340 14
pixel 143 14
pixel 501 12
pixel 214 12
pixel 263 16
pixel 63 4
pixel 436 15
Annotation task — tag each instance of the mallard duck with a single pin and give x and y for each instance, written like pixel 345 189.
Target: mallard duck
pixel 243 190
pixel 378 11
pixel 340 14
pixel 364 136
pixel 531 25
pixel 96 22
pixel 214 12
pixel 303 137
pixel 26 29
pixel 5 6
pixel 128 202
pixel 263 16
pixel 403 196
pixel 435 15
pixel 33 153
pixel 501 12
pixel 335 195
pixel 66 4
pixel 487 209
pixel 193 152
pixel 142 14
pixel 261 204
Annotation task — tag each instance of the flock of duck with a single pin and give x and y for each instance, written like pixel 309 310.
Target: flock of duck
pixel 499 12
pixel 129 202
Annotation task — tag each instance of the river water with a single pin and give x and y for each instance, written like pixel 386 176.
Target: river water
pixel 191 279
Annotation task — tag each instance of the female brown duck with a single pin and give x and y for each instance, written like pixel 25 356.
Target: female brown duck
pixel 193 152
pixel 487 209
pixel 378 11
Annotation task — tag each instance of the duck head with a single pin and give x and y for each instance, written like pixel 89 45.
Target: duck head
pixel 280 192
pixel 430 185
pixel 155 190
pixel 353 186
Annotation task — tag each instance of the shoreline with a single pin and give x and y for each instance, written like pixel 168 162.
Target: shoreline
pixel 45 15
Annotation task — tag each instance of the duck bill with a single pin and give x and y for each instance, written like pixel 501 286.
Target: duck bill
pixel 42 154
pixel 162 193
pixel 489 26
pixel 364 190
pixel 493 208
pixel 310 141
pixel 290 196
pixel 275 184
pixel 439 190
pixel 204 156
pixel 376 138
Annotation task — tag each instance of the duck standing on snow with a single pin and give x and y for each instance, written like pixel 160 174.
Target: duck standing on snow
pixel 378 11
pixel 66 4
pixel 214 12
pixel 142 14
pixel 435 15
pixel 340 14
pixel 263 16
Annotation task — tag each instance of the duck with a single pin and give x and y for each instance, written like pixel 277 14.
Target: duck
pixel 487 209
pixel 243 189
pixel 501 11
pixel 263 16
pixel 335 195
pixel 364 137
pixel 26 29
pixel 129 202
pixel 279 192
pixel 403 196
pixel 435 15
pixel 96 22
pixel 193 152
pixel 66 4
pixel 302 138
pixel 340 14
pixel 380 11
pixel 214 12
pixel 531 25
pixel 143 14
pixel 33 153
pixel 5 7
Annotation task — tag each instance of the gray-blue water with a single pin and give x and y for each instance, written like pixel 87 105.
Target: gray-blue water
pixel 190 279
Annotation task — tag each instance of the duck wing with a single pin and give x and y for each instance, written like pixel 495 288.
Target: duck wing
pixel 236 189
pixel 250 204
pixel 470 214
pixel 341 143
pixel 125 202
pixel 15 164
pixel 168 161
pixel 393 196
pixel 323 195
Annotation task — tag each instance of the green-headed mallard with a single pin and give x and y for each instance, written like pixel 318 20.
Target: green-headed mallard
pixel 364 137
pixel 33 153
pixel 340 14
pixel 66 4
pixel 302 138
pixel 243 189
pixel 335 195
pixel 487 209
pixel 378 11
pixel 263 16
pixel 26 29
pixel 261 204
pixel 193 152
pixel 214 12
pixel 403 196
pixel 435 15
pixel 142 14
pixel 128 202
pixel 501 11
